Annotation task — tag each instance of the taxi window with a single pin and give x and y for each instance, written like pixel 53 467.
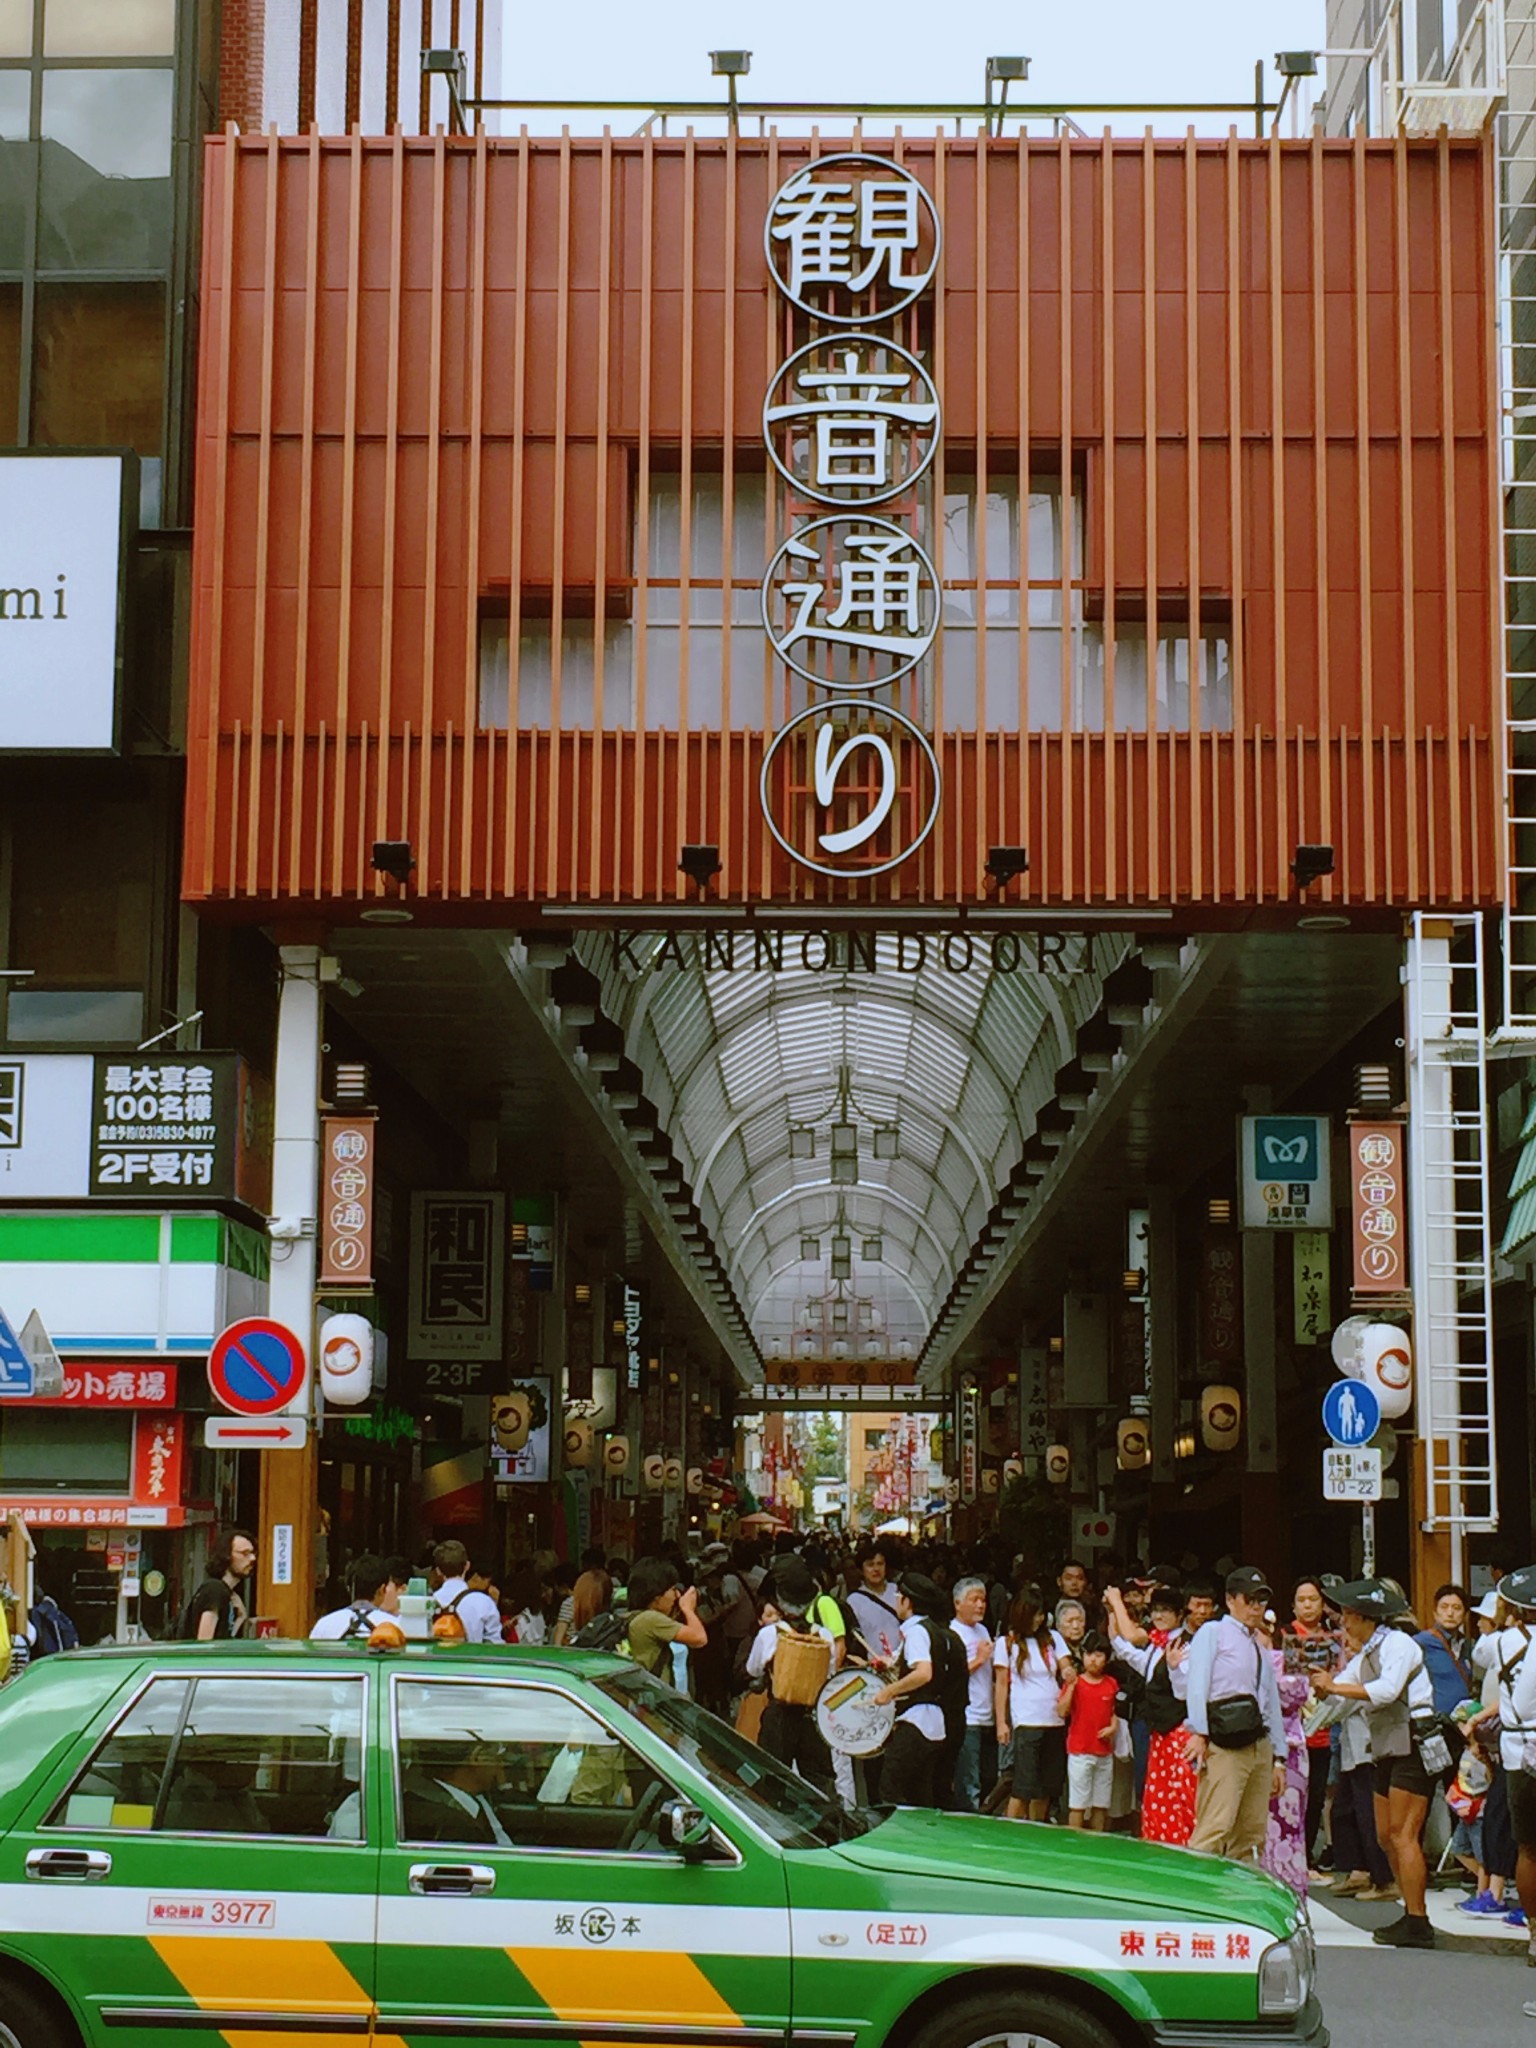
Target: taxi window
pixel 512 1766
pixel 119 1786
pixel 270 1756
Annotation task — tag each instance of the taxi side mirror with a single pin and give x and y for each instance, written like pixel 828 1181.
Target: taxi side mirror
pixel 687 1828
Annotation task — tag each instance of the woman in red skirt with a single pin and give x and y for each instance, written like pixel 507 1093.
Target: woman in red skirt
pixel 1168 1797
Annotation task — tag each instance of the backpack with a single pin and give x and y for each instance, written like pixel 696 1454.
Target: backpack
pixel 52 1629
pixel 359 1624
pixel 605 1631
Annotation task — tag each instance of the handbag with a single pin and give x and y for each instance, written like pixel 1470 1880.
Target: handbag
pixel 1238 1722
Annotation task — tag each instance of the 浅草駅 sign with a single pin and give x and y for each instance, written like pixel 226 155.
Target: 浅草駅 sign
pixel 1284 1168
pixel 850 785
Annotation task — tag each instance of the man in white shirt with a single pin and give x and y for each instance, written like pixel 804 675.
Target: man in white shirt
pixel 478 1612
pixel 874 1609
pixel 375 1598
pixel 1387 1675
pixel 909 1764
pixel 976 1765
pixel 1509 1654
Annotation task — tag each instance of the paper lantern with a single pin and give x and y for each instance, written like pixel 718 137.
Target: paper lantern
pixel 1221 1418
pixel 1013 1468
pixel 989 1478
pixel 653 1470
pixel 1132 1450
pixel 693 1479
pixel 578 1441
pixel 674 1474
pixel 1346 1344
pixel 1058 1464
pixel 1386 1366
pixel 346 1360
pixel 616 1454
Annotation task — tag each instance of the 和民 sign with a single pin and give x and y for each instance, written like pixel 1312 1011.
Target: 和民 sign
pixel 458 1243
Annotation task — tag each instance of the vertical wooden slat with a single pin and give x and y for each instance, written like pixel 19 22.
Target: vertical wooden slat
pixel 385 822
pixel 215 383
pixel 1321 496
pixel 559 822
pixel 392 67
pixel 424 120
pixel 1108 567
pixel 1274 846
pixel 1366 721
pixel 1150 425
pixel 1066 882
pixel 726 825
pixel 1199 824
pixel 262 520
pixel 643 501
pixel 678 882
pixel 1039 881
pixel 599 858
pixel 1237 865
pixel 517 749
pixel 298 808
pixel 354 101
pixel 470 514
pixel 1455 881
pixel 308 29
pixel 1413 878
pixel 347 514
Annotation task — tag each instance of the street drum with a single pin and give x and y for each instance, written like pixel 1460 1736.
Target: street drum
pixel 847 1716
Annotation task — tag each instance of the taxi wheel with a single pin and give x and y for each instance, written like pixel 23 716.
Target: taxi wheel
pixel 29 2020
pixel 1019 2019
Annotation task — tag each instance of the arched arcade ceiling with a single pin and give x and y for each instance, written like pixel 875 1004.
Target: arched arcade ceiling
pixel 960 1062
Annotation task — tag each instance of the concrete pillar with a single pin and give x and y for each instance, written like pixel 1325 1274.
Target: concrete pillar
pixel 289 1479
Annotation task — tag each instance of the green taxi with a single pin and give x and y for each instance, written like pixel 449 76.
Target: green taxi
pixel 285 1843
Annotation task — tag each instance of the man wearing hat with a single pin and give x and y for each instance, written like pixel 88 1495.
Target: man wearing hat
pixel 1388 1676
pixel 909 1767
pixel 1236 1738
pixel 1509 1651
pixel 789 1730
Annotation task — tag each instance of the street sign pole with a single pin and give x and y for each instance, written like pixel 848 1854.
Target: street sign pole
pixel 1368 1540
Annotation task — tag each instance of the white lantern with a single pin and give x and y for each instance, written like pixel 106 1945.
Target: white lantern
pixel 693 1479
pixel 1221 1418
pixel 653 1470
pixel 1013 1468
pixel 989 1478
pixel 1058 1464
pixel 1132 1450
pixel 578 1440
pixel 1346 1342
pixel 346 1360
pixel 672 1473
pixel 616 1455
pixel 1386 1366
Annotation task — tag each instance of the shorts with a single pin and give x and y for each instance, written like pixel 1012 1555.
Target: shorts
pixel 1520 1790
pixel 1403 1774
pixel 1090 1782
pixel 1039 1762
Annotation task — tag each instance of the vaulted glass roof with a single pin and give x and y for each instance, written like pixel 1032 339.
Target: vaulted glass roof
pixel 940 1065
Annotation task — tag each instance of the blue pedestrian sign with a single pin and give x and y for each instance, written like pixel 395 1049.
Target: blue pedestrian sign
pixel 17 1381
pixel 1351 1413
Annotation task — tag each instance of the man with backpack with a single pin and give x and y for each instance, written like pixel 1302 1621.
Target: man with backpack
pixel 49 1629
pixel 217 1610
pixel 478 1613
pixel 789 1731
pixel 375 1598
pixel 927 1694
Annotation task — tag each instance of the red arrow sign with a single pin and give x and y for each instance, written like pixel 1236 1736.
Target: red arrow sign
pixel 227 1432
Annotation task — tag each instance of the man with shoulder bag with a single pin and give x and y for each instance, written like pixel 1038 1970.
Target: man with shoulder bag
pixel 1236 1739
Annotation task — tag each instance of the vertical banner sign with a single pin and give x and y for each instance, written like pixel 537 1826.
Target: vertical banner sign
pixel 970 1445
pixel 158 1442
pixel 457 1243
pixel 346 1201
pixel 1221 1308
pixel 1310 1286
pixel 634 1318
pixel 1034 1407
pixel 1377 1159
pixel 850 786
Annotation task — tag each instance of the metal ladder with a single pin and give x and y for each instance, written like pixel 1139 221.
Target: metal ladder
pixel 1450 1252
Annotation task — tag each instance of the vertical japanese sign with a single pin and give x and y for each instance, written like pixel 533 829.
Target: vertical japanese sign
pixel 1312 1293
pixel 850 784
pixel 969 1420
pixel 157 1458
pixel 1034 1407
pixel 457 1246
pixel 346 1201
pixel 1221 1307
pixel 634 1320
pixel 1377 1179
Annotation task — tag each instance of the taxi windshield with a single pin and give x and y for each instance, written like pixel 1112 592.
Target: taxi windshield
pixel 794 1813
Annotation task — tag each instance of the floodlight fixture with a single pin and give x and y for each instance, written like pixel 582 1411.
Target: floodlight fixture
pixel 1005 864
pixel 700 864
pixel 1310 863
pixel 1296 63
pixel 730 63
pixel 451 67
pixel 393 857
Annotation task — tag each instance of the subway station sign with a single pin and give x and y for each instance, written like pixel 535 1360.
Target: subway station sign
pixel 850 784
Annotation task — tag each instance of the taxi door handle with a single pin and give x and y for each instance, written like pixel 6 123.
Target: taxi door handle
pixel 69 1866
pixel 453 1880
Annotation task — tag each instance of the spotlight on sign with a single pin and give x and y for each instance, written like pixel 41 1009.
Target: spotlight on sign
pixel 1221 1418
pixel 1005 864
pixel 1310 864
pixel 700 864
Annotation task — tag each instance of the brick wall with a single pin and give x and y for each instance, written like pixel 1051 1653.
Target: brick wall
pixel 242 43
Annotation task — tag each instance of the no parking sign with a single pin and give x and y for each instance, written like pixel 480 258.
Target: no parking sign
pixel 256 1367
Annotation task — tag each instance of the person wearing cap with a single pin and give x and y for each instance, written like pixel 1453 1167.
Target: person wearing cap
pixel 789 1731
pixel 1508 1651
pixel 909 1766
pixel 1388 1677
pixel 1236 1740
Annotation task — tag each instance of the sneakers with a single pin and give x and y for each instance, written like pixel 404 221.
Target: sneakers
pixel 1348 1887
pixel 1380 1894
pixel 1484 1904
pixel 1515 1918
pixel 1407 1932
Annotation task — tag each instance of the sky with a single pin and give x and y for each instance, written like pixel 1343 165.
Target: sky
pixel 868 50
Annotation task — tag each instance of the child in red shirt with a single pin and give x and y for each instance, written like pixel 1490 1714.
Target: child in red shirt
pixel 1087 1705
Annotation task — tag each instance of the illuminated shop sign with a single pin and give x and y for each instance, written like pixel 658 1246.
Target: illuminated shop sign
pixel 850 784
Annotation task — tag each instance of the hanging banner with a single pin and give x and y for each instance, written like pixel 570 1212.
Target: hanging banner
pixel 346 1201
pixel 1311 1291
pixel 456 1276
pixel 1034 1407
pixel 1377 1183
pixel 970 1440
